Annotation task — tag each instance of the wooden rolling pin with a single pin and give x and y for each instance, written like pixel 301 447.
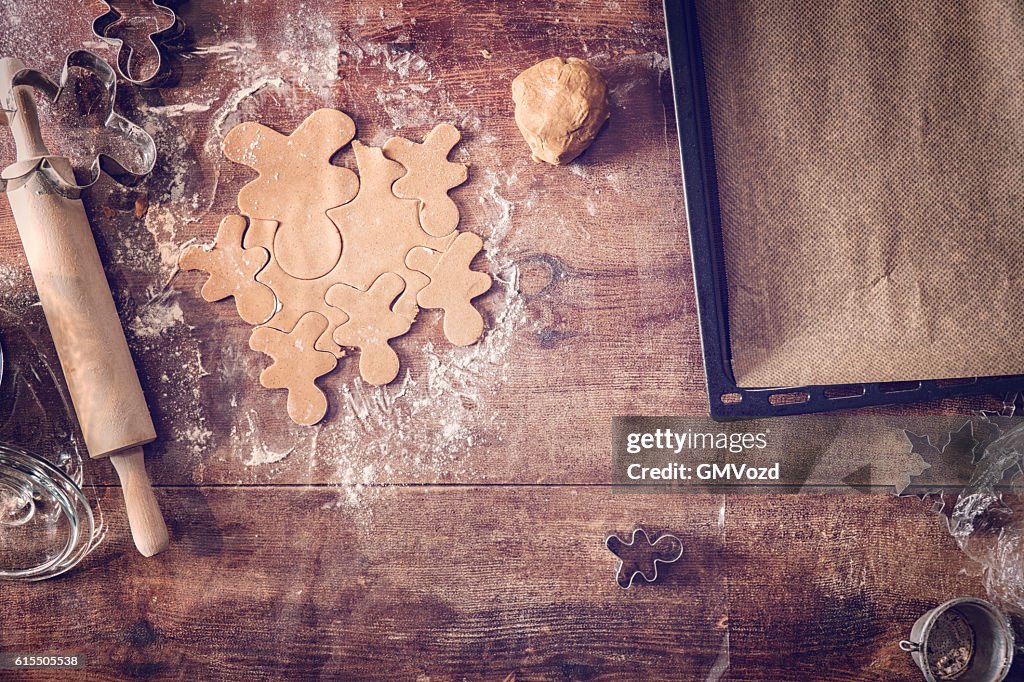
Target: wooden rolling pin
pixel 83 321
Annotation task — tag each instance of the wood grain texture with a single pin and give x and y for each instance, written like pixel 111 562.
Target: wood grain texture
pixel 480 583
pixel 501 569
pixel 608 321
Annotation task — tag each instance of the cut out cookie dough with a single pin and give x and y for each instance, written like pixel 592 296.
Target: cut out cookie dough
pixel 561 105
pixel 387 243
pixel 296 186
pixel 430 175
pixel 379 229
pixel 232 268
pixel 371 324
pixel 453 286
pixel 297 365
pixel 295 296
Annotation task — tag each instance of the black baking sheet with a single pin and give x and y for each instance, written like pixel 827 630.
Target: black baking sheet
pixel 726 400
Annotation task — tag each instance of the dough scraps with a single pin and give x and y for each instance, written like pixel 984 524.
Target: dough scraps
pixel 322 260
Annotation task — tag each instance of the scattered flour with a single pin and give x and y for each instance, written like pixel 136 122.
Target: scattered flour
pixel 417 429
pixel 172 110
pixel 261 452
pixel 162 223
pixel 156 318
pixel 227 49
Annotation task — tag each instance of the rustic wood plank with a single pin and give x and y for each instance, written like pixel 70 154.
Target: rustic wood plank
pixel 605 321
pixel 870 567
pixel 386 583
pixel 480 583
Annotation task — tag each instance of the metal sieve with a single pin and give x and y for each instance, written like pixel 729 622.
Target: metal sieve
pixel 964 639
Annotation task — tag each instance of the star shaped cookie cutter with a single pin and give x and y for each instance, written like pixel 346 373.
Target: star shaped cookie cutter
pixel 166 32
pixel 642 558
pixel 102 164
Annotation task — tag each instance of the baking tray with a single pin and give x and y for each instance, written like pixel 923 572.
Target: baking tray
pixel 726 400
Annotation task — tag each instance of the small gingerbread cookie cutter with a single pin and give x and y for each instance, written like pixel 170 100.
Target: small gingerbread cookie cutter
pixel 134 134
pixel 664 549
pixel 160 39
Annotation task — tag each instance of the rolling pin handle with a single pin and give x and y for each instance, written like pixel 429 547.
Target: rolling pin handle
pixel 144 518
pixel 21 113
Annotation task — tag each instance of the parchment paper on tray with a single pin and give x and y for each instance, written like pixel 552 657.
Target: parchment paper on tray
pixel 870 160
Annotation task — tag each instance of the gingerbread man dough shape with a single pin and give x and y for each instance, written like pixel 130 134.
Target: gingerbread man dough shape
pixel 295 296
pixel 380 229
pixel 296 186
pixel 453 286
pixel 297 365
pixel 372 323
pixel 430 176
pixel 232 268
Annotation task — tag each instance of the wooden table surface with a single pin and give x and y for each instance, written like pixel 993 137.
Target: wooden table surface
pixel 451 525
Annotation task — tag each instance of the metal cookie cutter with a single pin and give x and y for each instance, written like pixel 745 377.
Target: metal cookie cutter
pixel 103 163
pixel 642 558
pixel 167 31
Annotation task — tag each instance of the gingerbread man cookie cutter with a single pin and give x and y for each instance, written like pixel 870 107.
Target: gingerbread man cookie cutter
pixel 160 40
pixel 102 163
pixel 641 556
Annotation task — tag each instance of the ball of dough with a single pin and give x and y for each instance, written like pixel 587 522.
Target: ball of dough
pixel 560 107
